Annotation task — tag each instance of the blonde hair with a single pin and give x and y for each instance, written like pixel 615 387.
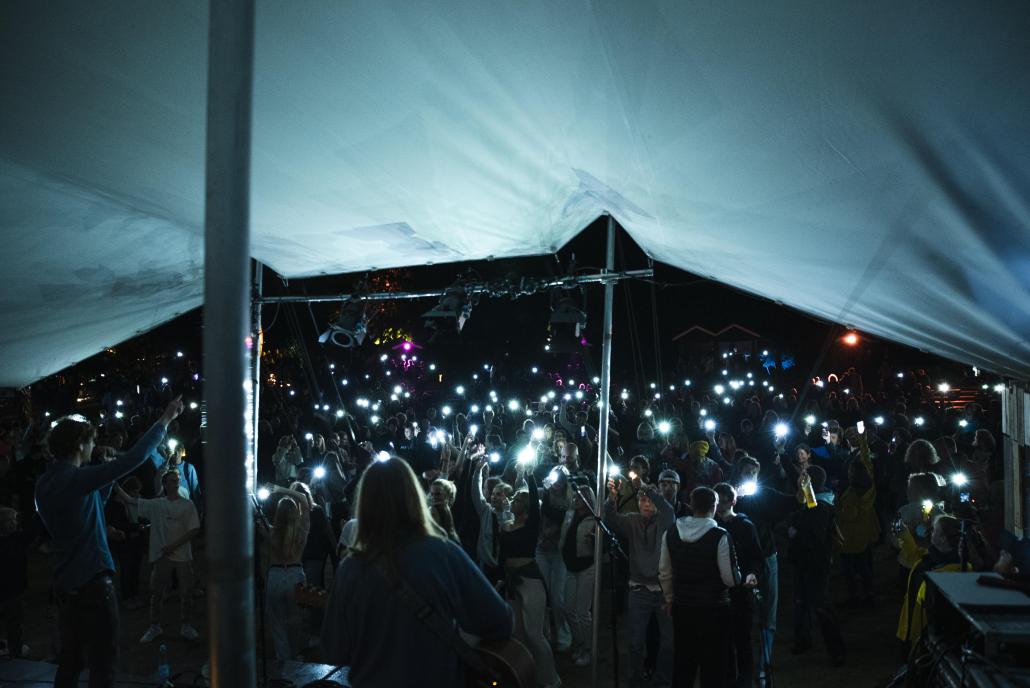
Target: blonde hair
pixel 288 528
pixel 391 510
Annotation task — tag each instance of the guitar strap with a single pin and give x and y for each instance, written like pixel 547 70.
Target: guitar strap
pixel 434 621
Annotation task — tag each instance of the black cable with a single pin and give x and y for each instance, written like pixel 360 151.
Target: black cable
pixel 654 327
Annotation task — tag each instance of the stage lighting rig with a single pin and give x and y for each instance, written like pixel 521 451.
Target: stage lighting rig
pixel 349 330
pixel 450 314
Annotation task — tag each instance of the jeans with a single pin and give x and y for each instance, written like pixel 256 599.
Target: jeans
pixel 702 645
pixel 811 598
pixel 87 621
pixel 161 579
pixel 742 664
pixel 579 596
pixel 283 615
pixel 531 610
pixel 858 571
pixel 769 588
pixel 644 604
pixel 552 566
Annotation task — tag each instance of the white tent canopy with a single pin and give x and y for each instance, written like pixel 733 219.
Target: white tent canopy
pixel 868 163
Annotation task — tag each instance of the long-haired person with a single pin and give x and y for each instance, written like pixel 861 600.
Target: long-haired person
pixel 286 539
pixel 524 582
pixel 367 626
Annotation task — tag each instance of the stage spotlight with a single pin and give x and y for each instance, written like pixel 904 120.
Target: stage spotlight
pixel 451 312
pixel 349 329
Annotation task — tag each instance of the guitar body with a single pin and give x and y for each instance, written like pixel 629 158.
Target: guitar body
pixel 509 661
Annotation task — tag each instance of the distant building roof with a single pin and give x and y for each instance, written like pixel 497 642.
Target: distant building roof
pixel 732 331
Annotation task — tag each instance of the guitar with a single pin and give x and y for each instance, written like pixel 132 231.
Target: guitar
pixel 509 664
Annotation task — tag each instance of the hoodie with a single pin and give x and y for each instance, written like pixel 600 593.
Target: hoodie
pixel 641 537
pixel 692 529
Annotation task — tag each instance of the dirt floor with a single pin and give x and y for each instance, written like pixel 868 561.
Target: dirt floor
pixel 869 633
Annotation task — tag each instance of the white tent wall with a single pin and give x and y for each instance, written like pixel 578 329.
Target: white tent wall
pixel 865 162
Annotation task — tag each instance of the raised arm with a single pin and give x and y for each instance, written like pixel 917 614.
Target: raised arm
pixel 479 502
pixel 534 500
pixel 89 478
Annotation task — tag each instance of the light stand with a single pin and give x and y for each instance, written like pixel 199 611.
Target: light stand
pixel 614 550
pixel 259 588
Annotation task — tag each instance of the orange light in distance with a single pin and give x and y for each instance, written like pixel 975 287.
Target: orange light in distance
pixel 851 339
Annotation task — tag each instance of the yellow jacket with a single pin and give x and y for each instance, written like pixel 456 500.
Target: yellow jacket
pixel 910 626
pixel 856 513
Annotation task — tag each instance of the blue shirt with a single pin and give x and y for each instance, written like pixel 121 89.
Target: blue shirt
pixel 368 629
pixel 70 500
pixel 189 485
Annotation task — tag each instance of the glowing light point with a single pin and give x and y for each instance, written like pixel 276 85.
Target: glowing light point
pixel 319 472
pixel 526 454
pixel 664 427
pixel 810 420
pixel 878 420
pixel 781 430
pixel 919 421
pixel 538 434
pixel 709 425
pixel 748 488
pixel 959 479
pixel 648 413
pixel 193 406
pixel 459 390
pixel 263 494
pixel 513 405
pixel 383 456
pixel 944 388
pixel 383 357
pixel 445 411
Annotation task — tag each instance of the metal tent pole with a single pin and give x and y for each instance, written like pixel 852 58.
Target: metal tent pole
pixel 602 440
pixel 229 535
pixel 258 334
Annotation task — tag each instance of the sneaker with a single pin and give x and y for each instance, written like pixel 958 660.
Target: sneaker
pixel 582 660
pixel 188 632
pixel 152 632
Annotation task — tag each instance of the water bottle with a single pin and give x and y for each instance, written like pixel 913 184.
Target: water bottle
pixel 164 669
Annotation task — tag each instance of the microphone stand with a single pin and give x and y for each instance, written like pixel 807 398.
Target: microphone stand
pixel 614 550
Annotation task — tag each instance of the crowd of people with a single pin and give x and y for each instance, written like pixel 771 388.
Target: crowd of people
pixel 479 498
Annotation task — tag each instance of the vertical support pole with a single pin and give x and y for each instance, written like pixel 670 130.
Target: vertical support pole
pixel 602 440
pixel 259 344
pixel 229 528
